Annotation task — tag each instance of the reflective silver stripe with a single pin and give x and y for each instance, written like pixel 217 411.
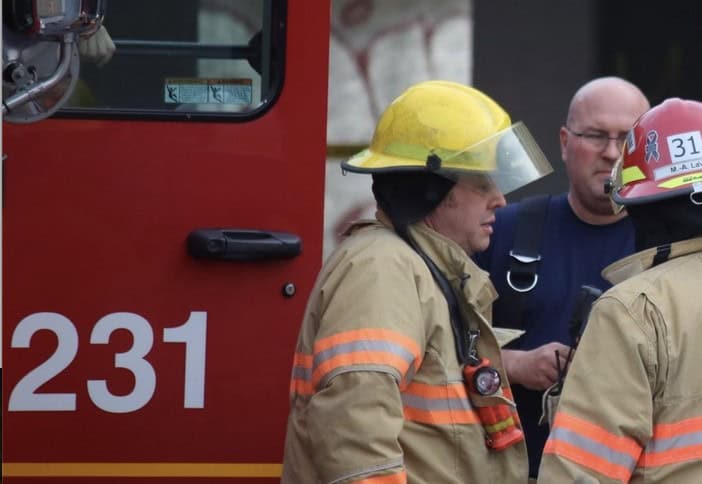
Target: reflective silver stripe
pixel 677 442
pixel 433 404
pixel 363 345
pixel 302 373
pixel 594 447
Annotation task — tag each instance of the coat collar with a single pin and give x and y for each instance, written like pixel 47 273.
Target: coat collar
pixel 637 263
pixel 459 269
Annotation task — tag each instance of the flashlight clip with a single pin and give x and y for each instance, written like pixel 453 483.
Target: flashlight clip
pixel 472 354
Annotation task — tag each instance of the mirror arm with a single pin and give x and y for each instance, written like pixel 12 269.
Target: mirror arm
pixel 67 48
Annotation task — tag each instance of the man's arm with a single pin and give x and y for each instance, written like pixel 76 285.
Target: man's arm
pixel 371 337
pixel 354 424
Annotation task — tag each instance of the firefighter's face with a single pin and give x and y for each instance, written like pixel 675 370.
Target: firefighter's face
pixel 592 140
pixel 467 214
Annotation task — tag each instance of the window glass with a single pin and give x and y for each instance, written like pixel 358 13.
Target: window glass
pixel 186 57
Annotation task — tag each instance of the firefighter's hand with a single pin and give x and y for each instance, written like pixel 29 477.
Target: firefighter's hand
pixel 535 369
pixel 97 48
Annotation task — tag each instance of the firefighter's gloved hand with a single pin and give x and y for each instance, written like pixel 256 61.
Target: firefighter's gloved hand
pixel 97 48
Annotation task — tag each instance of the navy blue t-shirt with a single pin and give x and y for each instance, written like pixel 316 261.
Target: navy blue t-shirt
pixel 573 253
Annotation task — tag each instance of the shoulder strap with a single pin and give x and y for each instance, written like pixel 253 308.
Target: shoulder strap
pixel 524 258
pixel 458 324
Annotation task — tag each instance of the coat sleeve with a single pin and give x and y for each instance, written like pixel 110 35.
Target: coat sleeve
pixel 354 424
pixel 369 344
pixel 604 417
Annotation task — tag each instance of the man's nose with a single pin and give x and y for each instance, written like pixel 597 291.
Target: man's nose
pixel 613 149
pixel 498 200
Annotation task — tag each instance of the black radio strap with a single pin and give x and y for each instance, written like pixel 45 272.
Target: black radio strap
pixel 522 274
pixel 458 325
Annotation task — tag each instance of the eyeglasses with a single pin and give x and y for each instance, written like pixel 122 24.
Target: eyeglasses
pixel 598 139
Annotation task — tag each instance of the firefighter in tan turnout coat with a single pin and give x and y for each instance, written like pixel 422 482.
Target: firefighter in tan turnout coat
pixel 631 408
pixel 397 373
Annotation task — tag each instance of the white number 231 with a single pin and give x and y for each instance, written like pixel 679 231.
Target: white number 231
pixel 24 396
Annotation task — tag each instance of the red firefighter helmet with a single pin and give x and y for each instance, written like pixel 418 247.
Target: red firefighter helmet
pixel 662 156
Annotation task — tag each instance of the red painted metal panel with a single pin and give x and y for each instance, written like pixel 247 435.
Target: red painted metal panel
pixel 95 218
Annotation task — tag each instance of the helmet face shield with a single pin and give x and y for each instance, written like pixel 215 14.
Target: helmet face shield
pixel 510 158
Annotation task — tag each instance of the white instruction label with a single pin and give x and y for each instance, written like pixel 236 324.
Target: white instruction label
pixel 207 91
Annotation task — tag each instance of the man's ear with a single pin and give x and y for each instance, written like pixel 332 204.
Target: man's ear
pixel 563 138
pixel 449 200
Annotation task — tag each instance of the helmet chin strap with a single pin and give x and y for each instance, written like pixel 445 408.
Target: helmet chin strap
pixel 662 254
pixel 661 223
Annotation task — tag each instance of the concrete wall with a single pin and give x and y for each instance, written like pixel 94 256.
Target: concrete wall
pixel 378 49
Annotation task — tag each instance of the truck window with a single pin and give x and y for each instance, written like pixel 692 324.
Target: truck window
pixel 186 59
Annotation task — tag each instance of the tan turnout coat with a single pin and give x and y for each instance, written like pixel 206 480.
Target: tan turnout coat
pixel 377 394
pixel 631 409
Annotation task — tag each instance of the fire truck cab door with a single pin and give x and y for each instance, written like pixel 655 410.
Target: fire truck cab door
pixel 161 234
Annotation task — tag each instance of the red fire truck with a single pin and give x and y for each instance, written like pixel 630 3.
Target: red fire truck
pixel 161 233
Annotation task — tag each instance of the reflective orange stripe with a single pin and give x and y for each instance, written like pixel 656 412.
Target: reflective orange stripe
pixel 674 443
pixel 451 390
pixel 303 360
pixel 363 347
pixel 371 334
pixel 359 358
pixel 366 347
pixel 586 459
pixel 688 426
pixel 439 417
pixel 675 456
pixel 593 447
pixel 594 432
pixel 300 382
pixel 399 478
pixel 438 404
pixel 301 387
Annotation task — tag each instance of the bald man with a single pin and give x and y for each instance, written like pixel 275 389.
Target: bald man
pixel 581 235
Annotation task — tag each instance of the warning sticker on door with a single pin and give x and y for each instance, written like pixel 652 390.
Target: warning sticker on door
pixel 207 91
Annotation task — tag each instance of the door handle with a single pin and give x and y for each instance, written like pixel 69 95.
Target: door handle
pixel 242 244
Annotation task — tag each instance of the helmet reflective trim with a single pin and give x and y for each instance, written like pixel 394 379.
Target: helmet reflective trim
pixel 681 181
pixel 631 174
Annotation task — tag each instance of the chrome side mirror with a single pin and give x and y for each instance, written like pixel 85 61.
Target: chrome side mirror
pixel 40 63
